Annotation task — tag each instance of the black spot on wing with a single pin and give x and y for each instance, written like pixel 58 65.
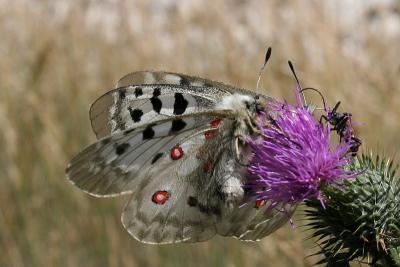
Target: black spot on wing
pixel 209 209
pixel 136 114
pixel 138 92
pixel 185 81
pixel 180 104
pixel 122 93
pixel 148 133
pixel 157 104
pixel 155 101
pixel 192 201
pixel 177 125
pixel 156 157
pixel 156 92
pixel 121 148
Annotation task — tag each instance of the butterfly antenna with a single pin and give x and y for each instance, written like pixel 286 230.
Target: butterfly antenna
pixel 297 81
pixel 267 56
pixel 316 90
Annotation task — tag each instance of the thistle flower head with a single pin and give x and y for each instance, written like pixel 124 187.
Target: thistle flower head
pixel 294 156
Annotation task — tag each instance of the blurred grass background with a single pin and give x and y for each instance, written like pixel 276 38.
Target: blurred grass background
pixel 57 57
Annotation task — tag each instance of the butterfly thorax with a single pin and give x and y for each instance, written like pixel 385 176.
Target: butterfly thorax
pixel 225 156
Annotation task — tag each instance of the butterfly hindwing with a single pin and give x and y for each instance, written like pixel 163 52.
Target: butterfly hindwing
pixel 178 203
pixel 164 210
pixel 253 221
pixel 269 222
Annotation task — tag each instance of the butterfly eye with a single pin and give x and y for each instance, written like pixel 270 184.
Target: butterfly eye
pixel 259 108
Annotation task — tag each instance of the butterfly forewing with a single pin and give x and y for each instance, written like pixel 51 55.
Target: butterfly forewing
pixel 144 97
pixel 132 111
pixel 116 164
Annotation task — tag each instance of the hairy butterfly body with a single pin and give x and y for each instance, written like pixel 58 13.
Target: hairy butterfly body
pixel 177 144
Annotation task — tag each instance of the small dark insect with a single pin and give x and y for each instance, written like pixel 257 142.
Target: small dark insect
pixel 340 123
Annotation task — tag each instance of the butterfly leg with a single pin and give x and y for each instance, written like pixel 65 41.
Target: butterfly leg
pixel 246 128
pixel 239 145
pixel 252 125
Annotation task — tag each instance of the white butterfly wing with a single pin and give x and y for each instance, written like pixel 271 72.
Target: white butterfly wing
pixel 253 222
pixel 165 206
pixel 269 222
pixel 116 164
pixel 144 97
pixel 179 219
pixel 172 78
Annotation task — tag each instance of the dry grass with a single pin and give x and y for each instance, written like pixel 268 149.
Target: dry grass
pixel 53 65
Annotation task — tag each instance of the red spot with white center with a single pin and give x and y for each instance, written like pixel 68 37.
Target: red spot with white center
pixel 160 197
pixel 216 122
pixel 176 153
pixel 260 203
pixel 211 134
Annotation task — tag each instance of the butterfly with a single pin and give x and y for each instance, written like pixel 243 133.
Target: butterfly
pixel 177 144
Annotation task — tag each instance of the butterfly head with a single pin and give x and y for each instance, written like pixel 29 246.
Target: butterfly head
pixel 260 104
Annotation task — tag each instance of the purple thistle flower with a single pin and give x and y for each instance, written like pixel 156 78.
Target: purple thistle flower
pixel 294 156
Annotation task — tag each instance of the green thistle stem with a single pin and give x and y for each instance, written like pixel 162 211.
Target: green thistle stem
pixel 361 221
